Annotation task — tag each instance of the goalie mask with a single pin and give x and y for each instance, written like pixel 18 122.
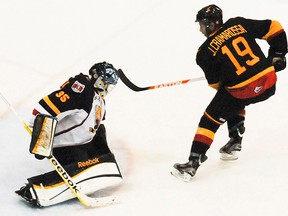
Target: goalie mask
pixel 104 77
pixel 210 19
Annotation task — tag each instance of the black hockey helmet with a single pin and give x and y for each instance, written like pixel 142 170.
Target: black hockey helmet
pixel 211 17
pixel 104 77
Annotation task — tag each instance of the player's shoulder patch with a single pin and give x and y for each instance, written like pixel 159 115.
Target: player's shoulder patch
pixel 78 87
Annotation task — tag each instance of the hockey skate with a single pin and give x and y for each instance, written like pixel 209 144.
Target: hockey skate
pixel 187 170
pixel 230 151
pixel 27 193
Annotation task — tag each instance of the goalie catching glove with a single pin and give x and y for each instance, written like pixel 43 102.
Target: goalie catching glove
pixel 42 136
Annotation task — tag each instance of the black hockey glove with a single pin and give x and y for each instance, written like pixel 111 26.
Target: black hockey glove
pixel 279 63
pixel 278 60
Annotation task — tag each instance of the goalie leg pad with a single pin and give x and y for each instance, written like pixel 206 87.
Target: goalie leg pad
pixel 91 175
pixel 43 135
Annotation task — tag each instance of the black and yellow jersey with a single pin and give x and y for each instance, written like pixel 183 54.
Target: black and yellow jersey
pixel 78 109
pixel 231 56
pixel 76 93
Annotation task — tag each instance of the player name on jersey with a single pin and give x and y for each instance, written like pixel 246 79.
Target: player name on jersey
pixel 219 39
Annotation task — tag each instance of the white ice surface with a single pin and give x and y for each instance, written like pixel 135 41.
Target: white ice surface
pixel 44 42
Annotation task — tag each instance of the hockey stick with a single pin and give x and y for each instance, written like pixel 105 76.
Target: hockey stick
pixel 84 199
pixel 132 86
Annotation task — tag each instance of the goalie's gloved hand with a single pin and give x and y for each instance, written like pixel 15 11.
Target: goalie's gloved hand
pixel 39 157
pixel 278 60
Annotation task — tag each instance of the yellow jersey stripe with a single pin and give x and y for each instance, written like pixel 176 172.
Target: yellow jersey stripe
pixel 275 28
pixel 51 105
pixel 246 82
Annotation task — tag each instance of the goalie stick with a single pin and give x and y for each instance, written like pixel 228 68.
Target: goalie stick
pixel 132 86
pixel 84 199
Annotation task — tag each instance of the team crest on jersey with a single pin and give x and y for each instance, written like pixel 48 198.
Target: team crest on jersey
pixel 78 87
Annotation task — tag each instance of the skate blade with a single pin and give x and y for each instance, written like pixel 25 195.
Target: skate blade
pixel 229 157
pixel 182 176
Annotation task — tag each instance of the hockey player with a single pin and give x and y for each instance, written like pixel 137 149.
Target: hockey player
pixel 79 139
pixel 235 66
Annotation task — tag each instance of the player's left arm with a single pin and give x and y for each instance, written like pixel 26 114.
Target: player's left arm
pixel 277 39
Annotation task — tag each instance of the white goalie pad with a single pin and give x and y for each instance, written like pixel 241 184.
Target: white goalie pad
pixel 43 135
pixel 90 180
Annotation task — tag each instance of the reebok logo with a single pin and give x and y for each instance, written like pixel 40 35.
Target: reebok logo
pixel 89 162
pixel 258 89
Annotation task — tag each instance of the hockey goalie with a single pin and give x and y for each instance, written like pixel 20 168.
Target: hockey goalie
pixel 68 125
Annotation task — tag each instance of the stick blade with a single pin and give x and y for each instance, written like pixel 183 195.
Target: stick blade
pixel 101 201
pixel 128 83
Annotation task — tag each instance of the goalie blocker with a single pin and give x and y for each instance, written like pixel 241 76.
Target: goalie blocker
pixel 43 135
